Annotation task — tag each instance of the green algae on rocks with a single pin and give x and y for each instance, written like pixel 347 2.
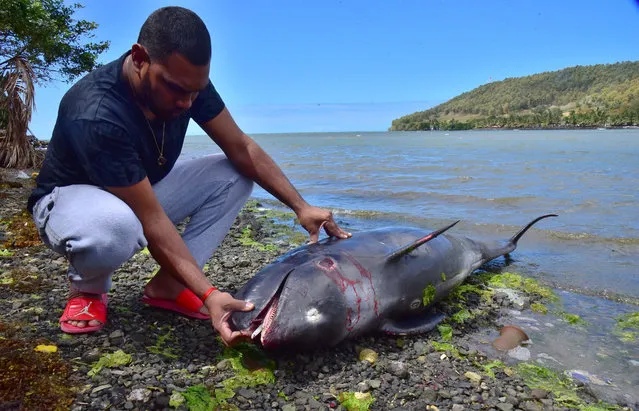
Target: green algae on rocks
pixel 627 327
pixel 198 398
pixel 251 367
pixel 573 319
pixel 488 368
pixel 459 293
pixel 446 347
pixel 356 401
pixel 518 282
pixel 446 332
pixel 5 253
pixel 162 348
pixel 247 240
pixel 564 390
pixel 111 360
pixel 539 308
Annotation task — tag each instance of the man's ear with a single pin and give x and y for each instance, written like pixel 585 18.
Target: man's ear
pixel 140 58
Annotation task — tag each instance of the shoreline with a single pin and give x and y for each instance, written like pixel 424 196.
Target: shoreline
pixel 563 128
pixel 172 357
pixel 42 144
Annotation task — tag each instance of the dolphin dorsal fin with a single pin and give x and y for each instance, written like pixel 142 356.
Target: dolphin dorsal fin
pixel 410 247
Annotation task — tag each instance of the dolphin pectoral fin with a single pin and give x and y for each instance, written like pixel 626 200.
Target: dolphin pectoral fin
pixel 410 247
pixel 413 325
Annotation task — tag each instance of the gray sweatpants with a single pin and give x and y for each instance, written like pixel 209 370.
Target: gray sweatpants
pixel 98 232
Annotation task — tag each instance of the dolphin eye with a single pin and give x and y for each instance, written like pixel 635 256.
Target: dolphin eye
pixel 326 264
pixel 415 304
pixel 313 315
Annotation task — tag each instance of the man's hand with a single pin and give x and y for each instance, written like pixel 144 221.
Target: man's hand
pixel 314 218
pixel 221 305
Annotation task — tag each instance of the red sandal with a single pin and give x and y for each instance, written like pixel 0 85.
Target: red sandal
pixel 186 303
pixel 84 308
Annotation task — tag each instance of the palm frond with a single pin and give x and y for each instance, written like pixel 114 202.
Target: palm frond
pixel 17 103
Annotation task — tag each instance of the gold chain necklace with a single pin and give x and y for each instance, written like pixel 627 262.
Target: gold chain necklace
pixel 161 158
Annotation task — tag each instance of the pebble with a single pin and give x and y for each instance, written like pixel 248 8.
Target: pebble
pixel 473 376
pixel 538 393
pixel 398 369
pixel 520 353
pixel 429 394
pixel 91 355
pixel 162 400
pixel 139 394
pixel 100 388
pixel 505 406
pixel 116 336
pixel 531 406
pixel 246 393
pixel 223 365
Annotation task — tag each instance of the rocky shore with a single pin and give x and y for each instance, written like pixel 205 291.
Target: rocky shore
pixel 146 358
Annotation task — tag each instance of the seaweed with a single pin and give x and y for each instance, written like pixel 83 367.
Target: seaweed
pixel 573 319
pixel 518 282
pixel 246 239
pixel 356 401
pixel 446 332
pixel 446 347
pixel 428 295
pixel 251 367
pixel 564 390
pixel 198 398
pixel 21 231
pixel 110 360
pixel 160 347
pixel 32 379
pixel 539 308
pixel 627 327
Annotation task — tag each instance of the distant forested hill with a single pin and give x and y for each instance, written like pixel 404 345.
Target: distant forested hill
pixel 603 95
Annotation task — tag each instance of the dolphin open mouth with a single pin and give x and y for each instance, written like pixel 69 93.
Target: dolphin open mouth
pixel 261 325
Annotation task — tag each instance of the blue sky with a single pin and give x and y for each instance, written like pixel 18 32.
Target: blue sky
pixel 299 66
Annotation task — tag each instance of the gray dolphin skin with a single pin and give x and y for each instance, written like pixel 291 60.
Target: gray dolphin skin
pixel 387 280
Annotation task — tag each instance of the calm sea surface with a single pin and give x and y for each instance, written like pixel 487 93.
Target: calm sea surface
pixel 496 182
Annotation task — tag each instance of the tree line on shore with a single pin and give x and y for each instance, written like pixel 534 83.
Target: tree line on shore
pixel 602 95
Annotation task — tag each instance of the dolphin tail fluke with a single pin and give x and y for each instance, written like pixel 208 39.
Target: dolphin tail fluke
pixel 412 246
pixel 413 325
pixel 521 232
pixel 506 247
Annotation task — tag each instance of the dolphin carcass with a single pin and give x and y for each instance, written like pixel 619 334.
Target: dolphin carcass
pixel 320 294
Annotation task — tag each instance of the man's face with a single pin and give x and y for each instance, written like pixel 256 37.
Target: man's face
pixel 169 87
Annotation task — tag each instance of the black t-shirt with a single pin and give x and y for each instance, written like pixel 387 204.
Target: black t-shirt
pixel 101 136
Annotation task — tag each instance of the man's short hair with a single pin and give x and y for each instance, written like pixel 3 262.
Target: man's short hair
pixel 174 29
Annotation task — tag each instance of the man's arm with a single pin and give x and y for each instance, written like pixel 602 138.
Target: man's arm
pixel 168 248
pixel 253 162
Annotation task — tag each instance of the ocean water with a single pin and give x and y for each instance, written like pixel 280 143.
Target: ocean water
pixel 495 182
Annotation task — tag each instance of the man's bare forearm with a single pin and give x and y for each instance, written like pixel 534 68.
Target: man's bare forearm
pixel 168 248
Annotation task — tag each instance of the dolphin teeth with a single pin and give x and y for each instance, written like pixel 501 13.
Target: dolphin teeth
pixel 257 331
